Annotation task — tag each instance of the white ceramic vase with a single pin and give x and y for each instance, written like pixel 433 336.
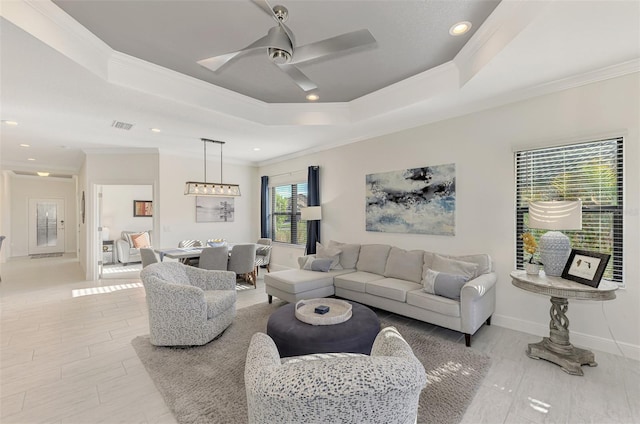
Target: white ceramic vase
pixel 531 269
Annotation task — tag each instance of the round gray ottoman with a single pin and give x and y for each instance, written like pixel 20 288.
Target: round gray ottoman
pixel 294 337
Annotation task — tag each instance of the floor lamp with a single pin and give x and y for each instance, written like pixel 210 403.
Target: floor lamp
pixel 555 247
pixel 311 213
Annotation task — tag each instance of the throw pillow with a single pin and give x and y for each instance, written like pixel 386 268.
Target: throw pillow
pixel 444 284
pixel 349 255
pixel 332 253
pixel 140 240
pixel 405 265
pixel 453 266
pixel 373 258
pixel 321 265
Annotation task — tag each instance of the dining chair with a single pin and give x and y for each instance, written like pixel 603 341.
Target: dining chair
pixel 214 258
pixel 147 256
pixel 263 254
pixel 242 262
pixel 190 243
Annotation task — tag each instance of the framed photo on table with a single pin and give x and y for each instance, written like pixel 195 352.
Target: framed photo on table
pixel 585 267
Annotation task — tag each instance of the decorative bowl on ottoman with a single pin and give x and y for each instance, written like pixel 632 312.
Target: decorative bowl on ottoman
pixel 339 311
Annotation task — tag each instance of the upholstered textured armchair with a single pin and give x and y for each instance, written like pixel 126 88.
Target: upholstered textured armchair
pixel 334 388
pixel 188 306
pixel 128 249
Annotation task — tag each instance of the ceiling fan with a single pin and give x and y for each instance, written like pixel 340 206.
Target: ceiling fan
pixel 283 52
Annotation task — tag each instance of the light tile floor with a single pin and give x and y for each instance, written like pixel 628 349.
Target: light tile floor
pixel 66 359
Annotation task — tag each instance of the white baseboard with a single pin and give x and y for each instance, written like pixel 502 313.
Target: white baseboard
pixel 630 351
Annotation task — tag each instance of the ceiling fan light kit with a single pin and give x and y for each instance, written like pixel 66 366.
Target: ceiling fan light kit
pixel 283 52
pixel 204 188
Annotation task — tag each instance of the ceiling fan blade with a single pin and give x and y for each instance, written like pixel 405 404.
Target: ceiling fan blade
pixel 298 77
pixel 262 4
pixel 270 40
pixel 217 62
pixel 266 7
pixel 333 45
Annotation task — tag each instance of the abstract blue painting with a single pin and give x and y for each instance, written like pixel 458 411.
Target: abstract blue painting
pixel 418 201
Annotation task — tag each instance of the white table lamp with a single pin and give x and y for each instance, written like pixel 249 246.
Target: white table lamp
pixel 555 247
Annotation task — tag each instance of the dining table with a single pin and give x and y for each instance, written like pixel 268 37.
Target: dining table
pixel 186 252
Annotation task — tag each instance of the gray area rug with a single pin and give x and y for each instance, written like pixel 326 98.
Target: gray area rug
pixel 206 384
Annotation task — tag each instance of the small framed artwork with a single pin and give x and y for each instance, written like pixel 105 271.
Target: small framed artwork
pixel 142 208
pixel 585 267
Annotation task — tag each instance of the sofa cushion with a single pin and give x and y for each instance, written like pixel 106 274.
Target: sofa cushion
pixel 434 303
pixel 140 240
pixel 296 281
pixel 404 264
pixel 373 258
pixel 391 288
pixel 355 281
pixel 444 284
pixel 454 266
pixel 349 255
pixel 318 264
pixel 332 253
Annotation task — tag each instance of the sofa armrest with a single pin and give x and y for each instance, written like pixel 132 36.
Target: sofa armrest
pixel 122 250
pixel 207 279
pixel 477 301
pixel 389 342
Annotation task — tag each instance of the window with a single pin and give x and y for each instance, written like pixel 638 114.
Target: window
pixel 591 172
pixel 286 201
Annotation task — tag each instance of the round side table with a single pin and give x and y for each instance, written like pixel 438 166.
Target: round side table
pixel 556 348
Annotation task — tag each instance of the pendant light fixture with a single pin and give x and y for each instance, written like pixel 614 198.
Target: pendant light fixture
pixel 194 188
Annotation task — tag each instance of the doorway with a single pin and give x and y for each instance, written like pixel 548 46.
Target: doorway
pixel 46 226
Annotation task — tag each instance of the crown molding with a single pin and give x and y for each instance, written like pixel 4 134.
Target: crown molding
pixel 28 167
pixel 508 19
pixel 51 25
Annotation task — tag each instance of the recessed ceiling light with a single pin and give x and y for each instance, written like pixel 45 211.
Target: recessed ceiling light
pixel 256 149
pixel 312 97
pixel 31 159
pixel 156 130
pixel 43 174
pixel 13 123
pixel 25 145
pixel 460 28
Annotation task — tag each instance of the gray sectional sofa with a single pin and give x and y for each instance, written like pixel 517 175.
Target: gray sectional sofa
pixel 455 292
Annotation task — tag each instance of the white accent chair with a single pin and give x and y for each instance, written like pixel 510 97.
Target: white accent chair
pixel 187 305
pixel 126 252
pixel 383 388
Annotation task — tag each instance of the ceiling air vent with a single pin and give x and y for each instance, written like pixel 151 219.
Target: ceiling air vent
pixel 121 125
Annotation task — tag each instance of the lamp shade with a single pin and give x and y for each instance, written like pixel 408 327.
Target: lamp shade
pixel 556 215
pixel 311 213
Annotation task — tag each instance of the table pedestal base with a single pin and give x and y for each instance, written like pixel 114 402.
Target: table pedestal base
pixel 570 358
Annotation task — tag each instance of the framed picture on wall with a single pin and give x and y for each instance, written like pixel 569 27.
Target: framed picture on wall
pixel 215 209
pixel 142 208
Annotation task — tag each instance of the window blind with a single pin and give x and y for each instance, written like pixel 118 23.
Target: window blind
pixel 590 171
pixel 286 202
